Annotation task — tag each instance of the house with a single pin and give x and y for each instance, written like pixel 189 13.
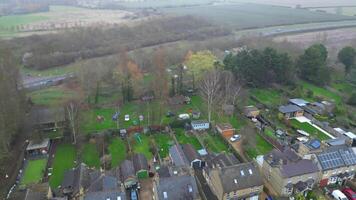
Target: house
pixel 40 191
pixel 47 119
pixel 298 102
pixel 337 164
pixel 127 174
pixel 241 181
pixel 329 106
pixel 287 173
pixel 310 147
pixel 192 156
pixel 177 156
pixel 35 148
pixel 290 111
pixel 176 188
pixel 228 109
pixel 199 125
pixel 218 161
pixel 225 129
pixel 104 187
pixel 251 111
pixel 76 181
pixel 141 165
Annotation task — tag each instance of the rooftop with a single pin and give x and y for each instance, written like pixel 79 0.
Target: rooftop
pixel 289 108
pixel 33 145
pixel 177 155
pixel 239 177
pixel 177 187
pixel 336 156
pixel 225 126
pixel 298 102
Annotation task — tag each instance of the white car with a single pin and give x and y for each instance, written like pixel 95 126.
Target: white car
pixel 235 138
pixel 127 118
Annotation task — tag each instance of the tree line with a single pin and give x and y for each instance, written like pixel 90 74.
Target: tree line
pixel 261 68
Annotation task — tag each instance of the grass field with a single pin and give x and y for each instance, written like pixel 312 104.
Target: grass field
pixel 143 146
pixel 90 155
pixel 267 96
pixel 8 24
pixel 187 139
pixel 51 96
pixel 117 150
pixel 243 16
pixel 163 143
pixel 261 148
pixel 322 92
pixel 34 171
pixel 134 109
pixel 214 143
pixel 64 159
pixel 309 129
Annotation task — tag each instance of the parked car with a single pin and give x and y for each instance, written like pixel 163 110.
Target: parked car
pixel 351 195
pixel 338 195
pixel 134 194
pixel 127 118
pixel 183 116
pixel 235 138
pixel 170 114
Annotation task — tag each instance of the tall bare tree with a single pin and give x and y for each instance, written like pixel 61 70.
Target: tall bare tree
pixel 72 111
pixel 211 87
pixel 231 88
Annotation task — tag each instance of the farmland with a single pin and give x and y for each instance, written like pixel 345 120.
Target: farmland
pixel 15 24
pixel 245 16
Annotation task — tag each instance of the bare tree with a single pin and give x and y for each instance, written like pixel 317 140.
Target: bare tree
pixel 72 110
pixel 232 88
pixel 210 87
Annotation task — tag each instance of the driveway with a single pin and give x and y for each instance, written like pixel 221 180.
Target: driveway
pixel 146 189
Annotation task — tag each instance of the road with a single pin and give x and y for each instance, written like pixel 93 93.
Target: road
pixel 33 83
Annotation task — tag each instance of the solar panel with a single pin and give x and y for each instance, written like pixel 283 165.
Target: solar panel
pixel 348 156
pixel 330 160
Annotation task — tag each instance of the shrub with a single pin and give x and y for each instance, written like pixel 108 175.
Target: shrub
pixel 352 99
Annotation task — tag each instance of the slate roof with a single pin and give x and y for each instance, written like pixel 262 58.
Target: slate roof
pixel 290 163
pixel 77 178
pixel 163 171
pixel 336 142
pixel 103 183
pixel 140 162
pixel 112 195
pixel 303 166
pixel 298 102
pixel 177 155
pixel 127 169
pixel 177 188
pixel 239 177
pixel 221 160
pixel 289 108
pixel 189 152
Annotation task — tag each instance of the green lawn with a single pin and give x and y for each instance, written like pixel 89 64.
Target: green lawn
pixel 9 23
pixel 269 97
pixel 343 87
pixel 64 159
pixel 163 143
pixel 34 171
pixel 262 147
pixel 322 92
pixel 52 96
pixel 187 139
pixel 117 150
pixel 134 109
pixel 90 155
pixel 143 146
pixel 214 143
pixel 309 129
